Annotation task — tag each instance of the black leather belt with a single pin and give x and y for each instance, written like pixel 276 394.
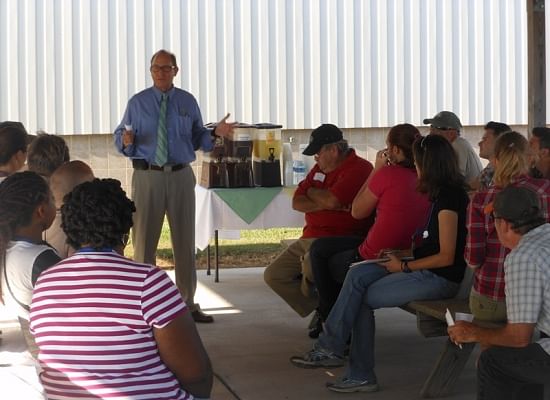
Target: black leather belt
pixel 144 165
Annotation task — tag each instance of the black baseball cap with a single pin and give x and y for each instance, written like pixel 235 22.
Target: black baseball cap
pixel 325 134
pixel 519 206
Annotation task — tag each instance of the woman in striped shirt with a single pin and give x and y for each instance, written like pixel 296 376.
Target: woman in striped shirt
pixel 108 327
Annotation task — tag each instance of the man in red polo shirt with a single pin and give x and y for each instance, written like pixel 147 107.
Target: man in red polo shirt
pixel 325 196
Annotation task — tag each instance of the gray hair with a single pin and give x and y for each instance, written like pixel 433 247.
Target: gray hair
pixel 342 146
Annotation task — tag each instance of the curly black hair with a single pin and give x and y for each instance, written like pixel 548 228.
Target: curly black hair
pixel 97 214
pixel 20 194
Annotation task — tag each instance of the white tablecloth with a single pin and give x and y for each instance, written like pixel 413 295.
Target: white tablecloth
pixel 212 214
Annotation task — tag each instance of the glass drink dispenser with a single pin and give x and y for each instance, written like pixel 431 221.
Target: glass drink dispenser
pixel 267 155
pixel 214 168
pixel 229 164
pixel 239 157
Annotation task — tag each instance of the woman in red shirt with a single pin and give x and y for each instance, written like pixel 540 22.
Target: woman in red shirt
pixel 390 191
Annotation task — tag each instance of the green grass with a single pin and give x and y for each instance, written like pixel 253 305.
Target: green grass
pixel 255 247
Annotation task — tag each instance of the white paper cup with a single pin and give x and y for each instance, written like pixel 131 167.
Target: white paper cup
pixel 459 316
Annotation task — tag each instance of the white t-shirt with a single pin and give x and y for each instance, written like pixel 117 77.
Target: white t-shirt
pixel 25 261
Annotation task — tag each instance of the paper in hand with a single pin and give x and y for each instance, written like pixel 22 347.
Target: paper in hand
pixel 451 322
pixel 449 318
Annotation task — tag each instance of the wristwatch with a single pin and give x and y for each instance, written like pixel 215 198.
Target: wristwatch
pixel 405 267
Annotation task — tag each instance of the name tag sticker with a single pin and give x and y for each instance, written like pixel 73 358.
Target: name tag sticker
pixel 319 176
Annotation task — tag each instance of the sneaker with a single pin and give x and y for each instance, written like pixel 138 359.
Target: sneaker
pixel 317 358
pixel 348 385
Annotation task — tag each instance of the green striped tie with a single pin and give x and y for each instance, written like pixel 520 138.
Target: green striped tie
pixel 161 155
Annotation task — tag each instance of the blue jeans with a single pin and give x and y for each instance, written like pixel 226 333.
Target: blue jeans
pixel 365 289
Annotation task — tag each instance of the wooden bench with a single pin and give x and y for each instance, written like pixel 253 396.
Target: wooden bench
pixel 431 322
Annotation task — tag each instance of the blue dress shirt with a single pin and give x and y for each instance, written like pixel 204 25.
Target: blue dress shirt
pixel 186 132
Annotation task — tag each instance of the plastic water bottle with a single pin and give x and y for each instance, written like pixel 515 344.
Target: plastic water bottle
pixel 298 171
pixel 288 173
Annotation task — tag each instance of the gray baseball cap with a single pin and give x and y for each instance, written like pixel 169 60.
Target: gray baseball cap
pixel 444 120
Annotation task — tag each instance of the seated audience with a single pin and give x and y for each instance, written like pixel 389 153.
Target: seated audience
pixel 390 192
pixel 13 148
pixel 484 252
pixel 325 197
pixel 513 366
pixel 540 149
pixel 47 153
pixel 447 125
pixel 26 210
pixel 62 181
pixel 435 273
pixel 125 330
pixel 487 151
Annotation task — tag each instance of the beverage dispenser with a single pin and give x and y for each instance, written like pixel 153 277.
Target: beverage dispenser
pixel 229 164
pixel 267 155
pixel 214 168
pixel 239 157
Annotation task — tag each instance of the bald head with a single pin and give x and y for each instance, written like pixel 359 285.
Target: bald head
pixel 66 177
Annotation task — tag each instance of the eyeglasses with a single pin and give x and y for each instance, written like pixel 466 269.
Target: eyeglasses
pixel 441 128
pixel 163 68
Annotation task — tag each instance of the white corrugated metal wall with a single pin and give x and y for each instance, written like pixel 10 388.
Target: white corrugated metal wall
pixel 70 66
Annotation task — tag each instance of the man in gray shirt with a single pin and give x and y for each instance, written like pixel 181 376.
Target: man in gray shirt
pixel 448 125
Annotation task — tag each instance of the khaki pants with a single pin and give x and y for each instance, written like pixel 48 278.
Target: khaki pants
pixel 156 194
pixel 485 309
pixel 290 276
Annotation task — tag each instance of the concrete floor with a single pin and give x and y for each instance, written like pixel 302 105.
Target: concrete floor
pixel 252 339
pixel 256 333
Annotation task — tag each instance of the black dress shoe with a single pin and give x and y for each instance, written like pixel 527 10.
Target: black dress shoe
pixel 199 316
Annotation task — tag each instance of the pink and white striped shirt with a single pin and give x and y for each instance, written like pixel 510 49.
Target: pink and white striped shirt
pixel 92 316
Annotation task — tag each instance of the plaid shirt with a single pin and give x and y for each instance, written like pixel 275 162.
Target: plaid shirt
pixel 527 271
pixel 483 249
pixel 486 177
